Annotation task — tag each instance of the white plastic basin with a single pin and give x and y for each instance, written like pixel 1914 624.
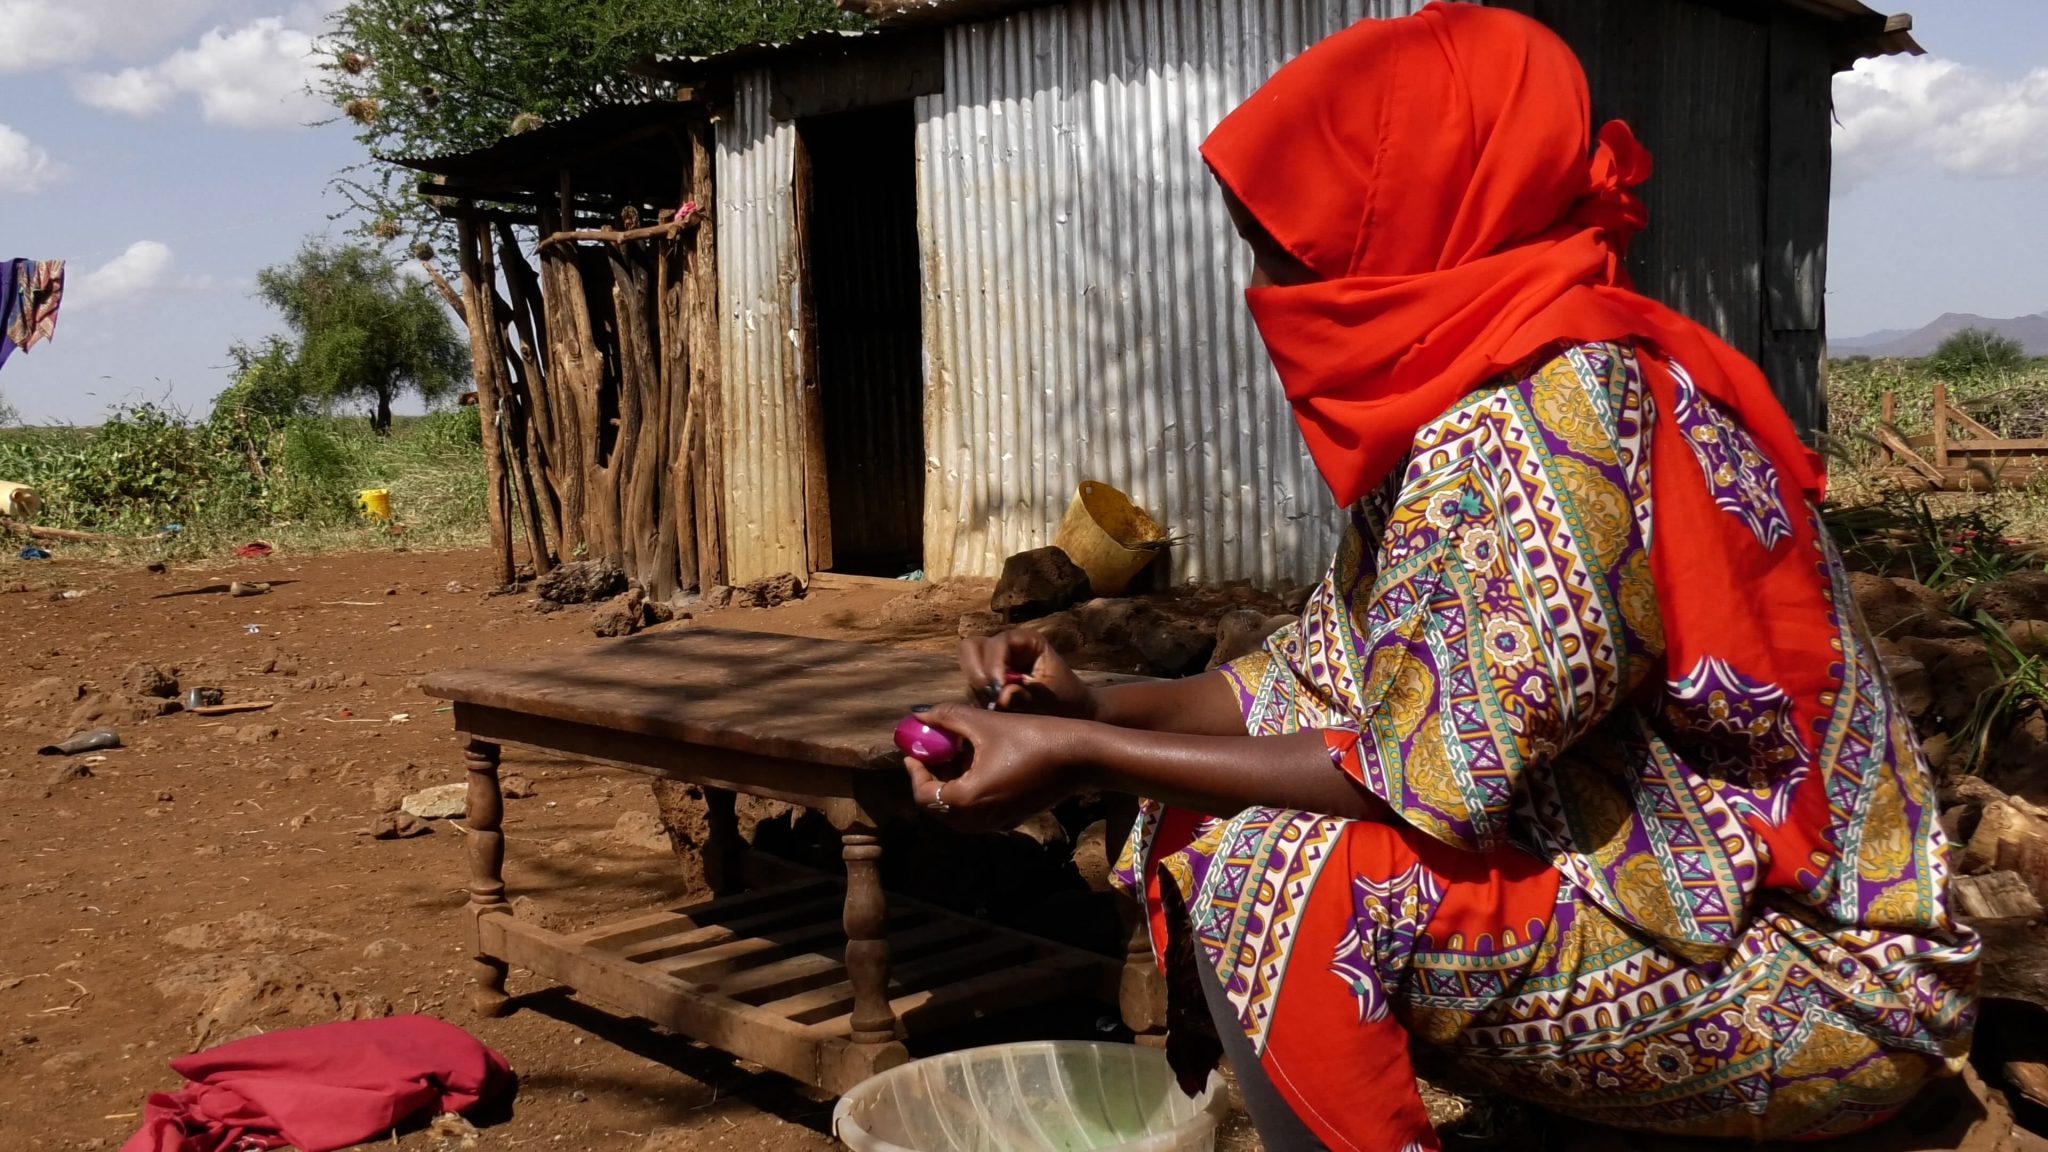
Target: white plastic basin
pixel 1051 1096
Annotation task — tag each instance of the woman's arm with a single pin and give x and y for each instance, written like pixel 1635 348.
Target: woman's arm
pixel 1200 705
pixel 1022 764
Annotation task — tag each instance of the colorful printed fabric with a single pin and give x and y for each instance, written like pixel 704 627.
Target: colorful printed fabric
pixel 1626 889
pixel 31 315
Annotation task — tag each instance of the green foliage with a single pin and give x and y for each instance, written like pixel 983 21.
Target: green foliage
pixel 292 479
pixel 1951 550
pixel 7 413
pixel 362 330
pixel 2012 403
pixel 267 385
pixel 1977 352
pixel 425 77
pixel 2020 690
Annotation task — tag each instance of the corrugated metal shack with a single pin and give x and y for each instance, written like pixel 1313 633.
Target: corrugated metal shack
pixel 972 258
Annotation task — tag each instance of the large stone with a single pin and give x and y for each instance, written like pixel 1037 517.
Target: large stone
pixel 2019 764
pixel 1894 606
pixel 441 802
pixel 1242 632
pixel 581 582
pixel 1038 583
pixel 643 831
pixel 773 592
pixel 1994 896
pixel 623 616
pixel 1107 622
pixel 1912 688
pixel 146 679
pixel 1172 647
pixel 2019 596
pixel 1061 631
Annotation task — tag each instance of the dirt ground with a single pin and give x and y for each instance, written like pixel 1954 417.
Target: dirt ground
pixel 214 877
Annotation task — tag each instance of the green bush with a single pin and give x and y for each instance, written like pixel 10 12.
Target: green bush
pixel 1977 352
pixel 241 474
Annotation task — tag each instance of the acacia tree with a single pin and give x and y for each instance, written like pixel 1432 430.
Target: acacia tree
pixel 1977 352
pixel 421 77
pixel 362 330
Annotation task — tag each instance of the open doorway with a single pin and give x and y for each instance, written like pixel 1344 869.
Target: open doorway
pixel 864 363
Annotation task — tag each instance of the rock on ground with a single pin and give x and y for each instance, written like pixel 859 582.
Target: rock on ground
pixel 146 679
pixel 398 826
pixel 1242 632
pixel 581 582
pixel 773 592
pixel 644 831
pixel 441 802
pixel 1895 607
pixel 1038 583
pixel 231 995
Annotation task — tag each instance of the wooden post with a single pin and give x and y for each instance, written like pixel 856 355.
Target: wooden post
pixel 485 365
pixel 817 493
pixel 1888 416
pixel 486 814
pixel 1941 427
pixel 707 376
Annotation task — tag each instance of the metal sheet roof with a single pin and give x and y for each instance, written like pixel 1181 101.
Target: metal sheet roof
pixel 612 150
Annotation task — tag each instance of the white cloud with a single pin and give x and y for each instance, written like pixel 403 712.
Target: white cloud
pixel 25 166
pixel 1897 111
pixel 37 34
pixel 252 77
pixel 143 267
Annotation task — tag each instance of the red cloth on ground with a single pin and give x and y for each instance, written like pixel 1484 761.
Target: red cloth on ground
pixel 320 1088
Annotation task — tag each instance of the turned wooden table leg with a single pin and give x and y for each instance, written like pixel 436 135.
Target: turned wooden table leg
pixel 724 868
pixel 867 939
pixel 486 817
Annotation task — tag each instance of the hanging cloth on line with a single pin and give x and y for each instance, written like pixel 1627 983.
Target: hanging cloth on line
pixel 32 292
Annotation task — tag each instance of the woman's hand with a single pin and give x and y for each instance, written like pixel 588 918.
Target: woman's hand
pixel 1017 766
pixel 1018 671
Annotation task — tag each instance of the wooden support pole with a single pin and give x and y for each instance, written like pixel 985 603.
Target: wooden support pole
pixel 1888 416
pixel 486 815
pixel 1940 449
pixel 485 365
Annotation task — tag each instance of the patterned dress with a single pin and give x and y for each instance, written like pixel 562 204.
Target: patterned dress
pixel 1603 892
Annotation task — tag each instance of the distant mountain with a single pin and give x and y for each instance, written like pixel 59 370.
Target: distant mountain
pixel 2031 331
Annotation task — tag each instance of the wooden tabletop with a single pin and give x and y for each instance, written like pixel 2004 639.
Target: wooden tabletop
pixel 822 701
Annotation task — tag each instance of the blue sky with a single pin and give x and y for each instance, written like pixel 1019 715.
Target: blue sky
pixel 163 148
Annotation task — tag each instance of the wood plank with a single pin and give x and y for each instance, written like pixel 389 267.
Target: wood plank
pixel 794 916
pixel 836 1000
pixel 947 1006
pixel 814 969
pixel 724 1023
pixel 625 933
pixel 703 965
pixel 822 702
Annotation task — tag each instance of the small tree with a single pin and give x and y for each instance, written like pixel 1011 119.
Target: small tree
pixel 7 413
pixel 1977 352
pixel 363 330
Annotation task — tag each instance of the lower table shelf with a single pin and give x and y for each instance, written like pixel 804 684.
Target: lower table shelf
pixel 762 974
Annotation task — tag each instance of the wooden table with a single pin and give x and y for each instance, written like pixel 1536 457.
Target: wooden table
pixel 796 975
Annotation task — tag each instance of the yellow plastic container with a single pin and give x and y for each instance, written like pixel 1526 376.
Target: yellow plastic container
pixel 1108 537
pixel 374 503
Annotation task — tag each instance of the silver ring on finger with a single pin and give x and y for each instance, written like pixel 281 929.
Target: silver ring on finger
pixel 938 803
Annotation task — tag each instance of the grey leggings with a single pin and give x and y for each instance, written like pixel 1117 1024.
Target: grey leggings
pixel 1280 1130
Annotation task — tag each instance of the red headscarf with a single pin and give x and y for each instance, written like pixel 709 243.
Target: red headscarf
pixel 1437 172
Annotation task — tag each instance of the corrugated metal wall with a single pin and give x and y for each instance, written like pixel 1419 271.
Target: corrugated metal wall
pixel 1084 315
pixel 762 356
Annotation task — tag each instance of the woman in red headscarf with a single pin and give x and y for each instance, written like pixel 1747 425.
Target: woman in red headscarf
pixel 1578 773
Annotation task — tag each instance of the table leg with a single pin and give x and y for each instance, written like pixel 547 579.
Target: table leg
pixel 867 939
pixel 486 814
pixel 724 870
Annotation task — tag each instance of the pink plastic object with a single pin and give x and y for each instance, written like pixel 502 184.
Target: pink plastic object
pixel 925 744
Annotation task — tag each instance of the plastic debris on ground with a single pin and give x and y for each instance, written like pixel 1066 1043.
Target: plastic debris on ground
pixel 253 550
pixel 34 553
